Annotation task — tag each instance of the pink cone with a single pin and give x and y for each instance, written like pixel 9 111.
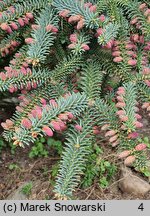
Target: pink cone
pixel 146 71
pixel 43 101
pixel 55 125
pixel 120 104
pixel 71 46
pixel 102 18
pixel 88 4
pixel 70 115
pixel 14 26
pixel 116 53
pixel 34 85
pixel 3 76
pixel 39 112
pixel 21 22
pixel 19 109
pixel 35 27
pixel 123 127
pixel 78 127
pixel 134 21
pixel 53 103
pixel 93 8
pixel 29 40
pixel 73 38
pixel 110 133
pixel 26 20
pixel 99 31
pixel 23 70
pixel 140 147
pixel 135 38
pixel 132 62
pixel 64 13
pixel 49 27
pixel 145 105
pixel 62 125
pixel 25 64
pixel 123 118
pixel 147 12
pixel 26 123
pixel 120 92
pixel 118 59
pixel 105 127
pixel 96 131
pixel 63 116
pixel 142 6
pixel 47 131
pixel 4 26
pixel 4 125
pixel 29 15
pixel 124 154
pixel 114 144
pixel 120 112
pixel 137 116
pixel 142 40
pixel 9 123
pixel 138 124
pixel 80 24
pixel 136 109
pixel 121 88
pixel 11 89
pixel 85 47
pixel 119 98
pixel 133 135
pixel 9 30
pixel 147 82
pixel 113 138
pixel 74 18
pixel 54 29
pixel 129 160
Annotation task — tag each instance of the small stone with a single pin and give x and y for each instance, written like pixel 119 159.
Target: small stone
pixel 18 194
pixel 132 184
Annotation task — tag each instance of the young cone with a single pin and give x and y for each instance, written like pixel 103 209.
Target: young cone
pixel 129 160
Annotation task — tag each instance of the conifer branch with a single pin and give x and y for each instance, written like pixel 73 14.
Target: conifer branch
pixel 26 133
pixel 77 8
pixel 91 79
pixel 43 37
pixel 74 157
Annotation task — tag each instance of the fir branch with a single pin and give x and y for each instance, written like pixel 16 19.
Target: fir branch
pixel 133 11
pixel 129 98
pixel 69 65
pixel 91 79
pixel 143 92
pixel 34 99
pixel 75 104
pixel 43 38
pixel 9 43
pixel 81 45
pixel 77 8
pixel 5 4
pixel 101 6
pixel 74 158
pixel 106 114
pixel 38 77
pixel 23 8
pixel 42 76
pixel 110 32
pixel 60 53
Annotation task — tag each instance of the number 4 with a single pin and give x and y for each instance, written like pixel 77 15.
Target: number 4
pixel 141 207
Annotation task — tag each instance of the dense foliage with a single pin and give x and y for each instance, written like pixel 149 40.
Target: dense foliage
pixel 80 68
